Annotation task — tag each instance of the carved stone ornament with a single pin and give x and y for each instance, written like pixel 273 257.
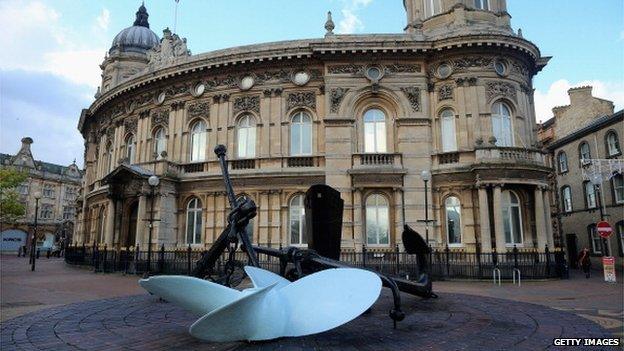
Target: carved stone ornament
pixel 402 68
pixel 170 50
pixel 413 95
pixel 336 97
pixel 110 134
pixel 130 124
pixel 500 89
pixel 247 103
pixel 200 109
pixel 301 99
pixel 160 117
pixel 445 92
pixel 346 69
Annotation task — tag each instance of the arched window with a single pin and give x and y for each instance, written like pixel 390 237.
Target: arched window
pixel 198 141
pixel 449 138
pixel 194 222
pixel 109 157
pixel 160 142
pixel 618 188
pixel 100 226
pixel 590 194
pixel 301 134
pixel 131 148
pixel 613 144
pixel 562 162
pixel 297 221
pixel 512 218
pixel 453 220
pixel 432 7
pixel 584 153
pixel 482 4
pixel 566 199
pixel 246 137
pixel 594 239
pixel 501 124
pixel 377 220
pixel 374 131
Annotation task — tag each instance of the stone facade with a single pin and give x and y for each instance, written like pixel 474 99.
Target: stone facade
pixel 59 187
pixel 371 109
pixel 592 122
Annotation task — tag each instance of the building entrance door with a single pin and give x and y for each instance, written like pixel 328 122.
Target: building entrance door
pixel 572 250
pixel 132 224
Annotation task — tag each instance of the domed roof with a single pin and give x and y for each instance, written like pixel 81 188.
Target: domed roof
pixel 138 38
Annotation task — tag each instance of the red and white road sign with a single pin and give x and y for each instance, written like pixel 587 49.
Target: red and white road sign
pixel 604 229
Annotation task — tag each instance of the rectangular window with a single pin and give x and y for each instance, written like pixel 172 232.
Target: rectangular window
pixel 46 211
pixel 482 4
pixel 618 189
pixel 590 195
pixel 48 191
pixel 594 239
pixel 432 7
pixel 566 195
pixel 68 212
pixel 22 189
pixel 449 141
pixel 198 145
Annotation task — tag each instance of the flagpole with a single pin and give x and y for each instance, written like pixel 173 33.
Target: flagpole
pixel 175 19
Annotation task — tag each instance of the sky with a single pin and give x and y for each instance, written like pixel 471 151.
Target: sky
pixel 51 50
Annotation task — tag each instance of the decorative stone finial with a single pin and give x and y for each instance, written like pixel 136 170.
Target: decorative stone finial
pixel 520 32
pixel 141 17
pixel 329 24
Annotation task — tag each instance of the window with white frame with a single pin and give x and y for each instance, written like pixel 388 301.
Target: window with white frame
pixel 194 222
pixel 482 4
pixel 301 134
pixel 246 136
pixel 613 144
pixel 48 191
pixel 432 7
pixel 46 211
pixel 594 239
pixel 453 220
pixel 512 218
pixel 501 124
pixel 199 138
pixel 377 220
pixel 374 131
pixel 22 189
pixel 449 137
pixel 566 198
pixel 590 194
pixel 70 193
pixel 562 161
pixel 160 142
pixel 297 221
pixel 69 212
pixel 109 157
pixel 618 188
pixel 131 149
pixel 584 153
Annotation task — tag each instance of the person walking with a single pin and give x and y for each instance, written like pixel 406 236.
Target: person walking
pixel 584 261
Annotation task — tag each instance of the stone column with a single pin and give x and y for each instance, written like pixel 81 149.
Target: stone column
pixel 358 226
pixel 540 220
pixel 499 229
pixel 549 228
pixel 484 220
pixel 110 223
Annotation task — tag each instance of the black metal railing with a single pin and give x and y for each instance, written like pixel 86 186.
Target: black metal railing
pixel 445 263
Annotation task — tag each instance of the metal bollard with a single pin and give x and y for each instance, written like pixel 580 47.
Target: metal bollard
pixel 38 252
pixel 516 271
pixel 496 273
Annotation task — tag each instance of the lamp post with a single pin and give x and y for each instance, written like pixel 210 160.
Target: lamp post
pixel 153 182
pixel 33 243
pixel 596 180
pixel 426 177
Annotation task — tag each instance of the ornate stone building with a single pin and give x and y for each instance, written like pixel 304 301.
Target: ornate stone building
pixel 59 187
pixel 584 138
pixel 365 114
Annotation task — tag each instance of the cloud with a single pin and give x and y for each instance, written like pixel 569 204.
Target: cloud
pixel 35 40
pixel 557 95
pixel 351 22
pixel 45 107
pixel 103 20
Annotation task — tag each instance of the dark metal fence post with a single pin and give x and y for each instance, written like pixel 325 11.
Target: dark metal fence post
pixel 104 259
pixel 161 260
pixel 137 253
pixel 126 259
pixel 547 253
pixel 396 250
pixel 447 252
pixel 479 268
pixel 364 256
pixel 48 254
pixel 188 259
pixel 515 255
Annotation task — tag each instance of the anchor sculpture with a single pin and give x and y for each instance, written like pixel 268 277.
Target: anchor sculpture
pixel 325 293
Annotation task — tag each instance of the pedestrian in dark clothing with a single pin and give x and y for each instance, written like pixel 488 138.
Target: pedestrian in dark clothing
pixel 584 261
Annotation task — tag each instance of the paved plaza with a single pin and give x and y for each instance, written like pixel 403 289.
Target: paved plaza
pixel 66 308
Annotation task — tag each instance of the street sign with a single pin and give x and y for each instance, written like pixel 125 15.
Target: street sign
pixel 608 264
pixel 604 229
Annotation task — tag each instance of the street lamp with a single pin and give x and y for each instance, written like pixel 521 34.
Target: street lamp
pixel 153 182
pixel 33 243
pixel 596 180
pixel 426 177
